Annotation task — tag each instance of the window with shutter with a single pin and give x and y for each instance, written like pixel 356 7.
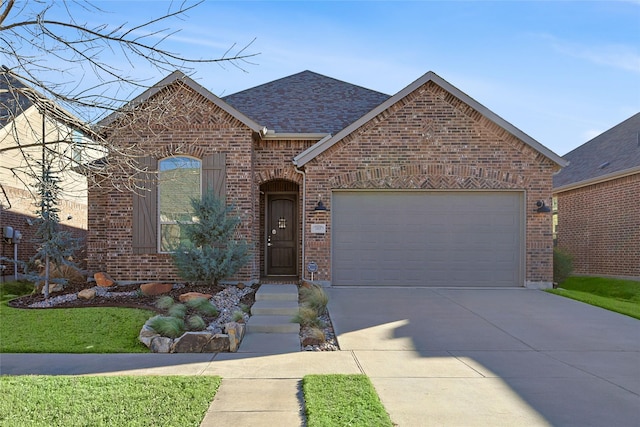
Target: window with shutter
pixel 179 182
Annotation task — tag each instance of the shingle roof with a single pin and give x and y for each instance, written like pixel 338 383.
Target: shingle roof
pixel 615 150
pixel 306 102
pixel 12 102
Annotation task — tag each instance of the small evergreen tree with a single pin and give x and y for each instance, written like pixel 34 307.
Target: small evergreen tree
pixel 53 245
pixel 208 252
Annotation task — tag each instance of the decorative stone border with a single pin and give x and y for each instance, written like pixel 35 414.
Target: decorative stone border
pixel 194 342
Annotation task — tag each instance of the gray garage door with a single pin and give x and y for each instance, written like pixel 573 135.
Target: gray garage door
pixel 427 238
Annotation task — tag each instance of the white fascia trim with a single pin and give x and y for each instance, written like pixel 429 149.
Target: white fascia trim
pixel 310 152
pixel 324 145
pixel 598 179
pixel 293 136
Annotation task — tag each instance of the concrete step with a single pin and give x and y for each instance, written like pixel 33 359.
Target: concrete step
pixel 277 293
pixel 271 324
pixel 275 307
pixel 270 343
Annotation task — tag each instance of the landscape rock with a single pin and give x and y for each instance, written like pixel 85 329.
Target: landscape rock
pixel 191 342
pixel 193 295
pixel 161 344
pixel 147 334
pixel 103 279
pixel 87 294
pixel 54 287
pixel 155 288
pixel 241 285
pixel 310 340
pixel 219 344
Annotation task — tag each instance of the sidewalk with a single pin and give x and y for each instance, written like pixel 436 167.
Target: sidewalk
pixel 257 389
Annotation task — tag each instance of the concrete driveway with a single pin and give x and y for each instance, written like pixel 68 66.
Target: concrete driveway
pixel 512 357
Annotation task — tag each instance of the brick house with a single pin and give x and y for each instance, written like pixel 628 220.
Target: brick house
pixel 426 187
pixel 25 115
pixel 598 203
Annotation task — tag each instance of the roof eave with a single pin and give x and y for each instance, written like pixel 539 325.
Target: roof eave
pixel 322 146
pixel 597 179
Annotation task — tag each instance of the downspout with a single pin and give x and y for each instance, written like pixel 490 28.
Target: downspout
pixel 304 217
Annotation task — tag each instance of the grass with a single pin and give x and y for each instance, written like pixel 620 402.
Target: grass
pixel 68 330
pixel 105 401
pixel 621 296
pixel 352 402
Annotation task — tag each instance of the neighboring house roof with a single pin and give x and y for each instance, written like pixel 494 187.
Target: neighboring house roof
pixel 306 102
pixel 12 100
pixel 326 143
pixel 180 76
pixel 16 98
pixel 611 154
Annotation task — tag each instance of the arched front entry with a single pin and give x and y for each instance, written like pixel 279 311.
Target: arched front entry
pixel 280 228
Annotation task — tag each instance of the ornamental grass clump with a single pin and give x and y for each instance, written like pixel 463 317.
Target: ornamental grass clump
pixel 178 310
pixel 203 306
pixel 168 326
pixel 308 317
pixel 196 323
pixel 315 297
pixel 181 318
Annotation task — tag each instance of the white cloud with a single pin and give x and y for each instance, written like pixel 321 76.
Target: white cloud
pixel 619 56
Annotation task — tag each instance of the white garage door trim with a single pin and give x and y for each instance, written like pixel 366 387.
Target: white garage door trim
pixel 468 238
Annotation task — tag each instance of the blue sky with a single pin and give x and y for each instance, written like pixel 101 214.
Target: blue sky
pixel 561 71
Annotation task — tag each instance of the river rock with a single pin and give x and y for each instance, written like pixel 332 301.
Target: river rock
pixel 155 288
pixel 193 295
pixel 103 279
pixel 87 294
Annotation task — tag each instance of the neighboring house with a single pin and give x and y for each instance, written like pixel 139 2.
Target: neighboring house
pixel 25 116
pixel 423 188
pixel 598 203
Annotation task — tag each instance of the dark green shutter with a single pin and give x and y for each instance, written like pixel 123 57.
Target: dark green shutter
pixel 145 208
pixel 214 174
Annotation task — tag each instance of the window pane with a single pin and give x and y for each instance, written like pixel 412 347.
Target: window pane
pixel 179 183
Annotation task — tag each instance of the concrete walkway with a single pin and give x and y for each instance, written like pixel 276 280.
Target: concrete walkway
pixel 452 357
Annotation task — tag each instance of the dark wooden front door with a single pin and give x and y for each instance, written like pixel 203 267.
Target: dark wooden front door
pixel 281 235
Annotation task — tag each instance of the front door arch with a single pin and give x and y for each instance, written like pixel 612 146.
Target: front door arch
pixel 281 236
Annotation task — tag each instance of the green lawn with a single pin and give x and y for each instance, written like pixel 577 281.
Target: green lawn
pixel 342 400
pixel 621 296
pixel 68 330
pixel 105 401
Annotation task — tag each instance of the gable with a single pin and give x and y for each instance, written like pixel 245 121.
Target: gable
pixel 609 154
pixel 463 103
pixel 306 102
pixel 169 92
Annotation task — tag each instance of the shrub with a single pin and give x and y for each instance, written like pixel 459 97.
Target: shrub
pixel 562 265
pixel 209 251
pixel 167 326
pixel 203 306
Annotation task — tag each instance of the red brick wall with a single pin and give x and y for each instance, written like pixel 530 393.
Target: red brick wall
pixel 176 121
pixel 431 140
pixel 23 209
pixel 428 140
pixel 599 225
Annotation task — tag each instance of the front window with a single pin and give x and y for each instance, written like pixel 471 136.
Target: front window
pixel 178 183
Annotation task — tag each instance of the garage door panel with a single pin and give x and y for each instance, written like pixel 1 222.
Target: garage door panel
pixel 427 238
